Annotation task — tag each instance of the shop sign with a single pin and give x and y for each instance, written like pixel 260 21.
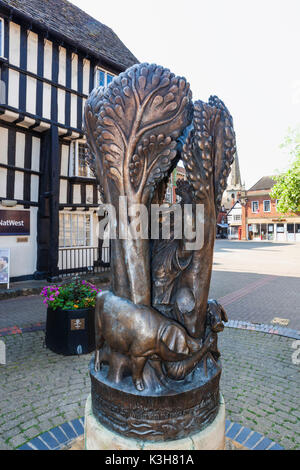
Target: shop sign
pixel 14 223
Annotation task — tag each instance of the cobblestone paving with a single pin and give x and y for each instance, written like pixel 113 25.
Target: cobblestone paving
pixel 40 390
pixel 22 311
pixel 261 384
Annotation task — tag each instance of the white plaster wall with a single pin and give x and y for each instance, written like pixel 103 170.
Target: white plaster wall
pixel 61 100
pixel 31 95
pixel 23 256
pixel 13 88
pixel 47 101
pixel 76 194
pixel 32 52
pixel 48 60
pixel 86 76
pixel 62 66
pixel 14 43
pixel 3 182
pixel 74 82
pixel 64 168
pixel 73 110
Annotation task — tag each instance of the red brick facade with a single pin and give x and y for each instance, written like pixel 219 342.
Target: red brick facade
pixel 262 221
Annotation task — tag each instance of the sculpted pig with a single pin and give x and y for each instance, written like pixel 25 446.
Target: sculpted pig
pixel 139 333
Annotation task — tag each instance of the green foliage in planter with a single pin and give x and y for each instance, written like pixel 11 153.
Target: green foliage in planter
pixel 72 296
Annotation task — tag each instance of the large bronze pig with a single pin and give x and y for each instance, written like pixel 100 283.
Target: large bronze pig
pixel 139 333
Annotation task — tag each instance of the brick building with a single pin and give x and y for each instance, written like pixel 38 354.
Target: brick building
pixel 262 221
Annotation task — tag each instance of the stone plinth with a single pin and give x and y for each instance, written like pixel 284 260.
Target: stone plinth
pixel 98 437
pixel 165 410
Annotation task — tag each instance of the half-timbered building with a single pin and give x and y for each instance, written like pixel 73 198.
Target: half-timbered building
pixel 52 55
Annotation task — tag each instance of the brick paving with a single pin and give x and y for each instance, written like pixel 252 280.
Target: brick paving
pixel 258 281
pixel 271 296
pixel 261 384
pixel 22 311
pixel 40 390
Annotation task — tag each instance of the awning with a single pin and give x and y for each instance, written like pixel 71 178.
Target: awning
pixel 223 225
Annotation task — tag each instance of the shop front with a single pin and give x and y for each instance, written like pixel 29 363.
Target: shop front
pixel 279 231
pixel 234 232
pixel 222 231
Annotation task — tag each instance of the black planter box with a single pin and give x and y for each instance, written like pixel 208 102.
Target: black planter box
pixel 70 332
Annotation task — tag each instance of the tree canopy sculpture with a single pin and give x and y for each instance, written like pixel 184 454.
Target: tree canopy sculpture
pixel 156 325
pixel 132 129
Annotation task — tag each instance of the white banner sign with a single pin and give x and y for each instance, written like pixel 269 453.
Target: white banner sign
pixel 4 265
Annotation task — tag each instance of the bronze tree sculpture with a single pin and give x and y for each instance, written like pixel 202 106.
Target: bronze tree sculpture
pixel 157 369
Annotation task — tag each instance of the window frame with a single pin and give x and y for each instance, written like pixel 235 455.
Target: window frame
pixel 269 201
pixel 72 214
pixel 2 38
pixel 74 160
pixel 257 202
pixel 100 69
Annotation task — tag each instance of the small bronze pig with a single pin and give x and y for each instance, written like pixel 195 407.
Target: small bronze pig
pixel 139 333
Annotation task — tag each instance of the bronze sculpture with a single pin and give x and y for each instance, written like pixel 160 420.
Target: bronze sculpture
pixel 138 332
pixel 156 371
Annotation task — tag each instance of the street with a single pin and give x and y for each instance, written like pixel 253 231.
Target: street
pixel 258 281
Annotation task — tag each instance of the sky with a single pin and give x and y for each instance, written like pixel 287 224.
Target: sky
pixel 246 52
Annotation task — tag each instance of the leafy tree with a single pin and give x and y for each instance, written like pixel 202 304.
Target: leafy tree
pixel 287 187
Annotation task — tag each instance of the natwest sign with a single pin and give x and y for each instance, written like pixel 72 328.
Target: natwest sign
pixel 14 222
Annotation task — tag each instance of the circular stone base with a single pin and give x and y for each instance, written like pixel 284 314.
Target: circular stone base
pixel 98 437
pixel 165 410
